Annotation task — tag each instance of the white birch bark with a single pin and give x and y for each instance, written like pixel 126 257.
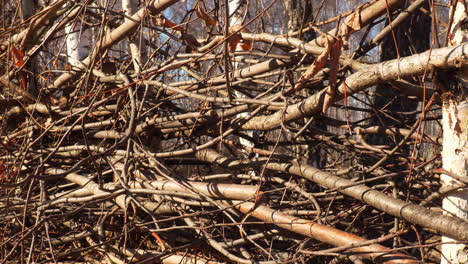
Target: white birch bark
pixel 235 12
pixel 75 47
pixel 134 45
pixel 235 18
pixel 455 160
pixel 115 36
pixel 455 148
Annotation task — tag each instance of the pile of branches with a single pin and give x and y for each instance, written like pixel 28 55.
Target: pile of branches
pixel 106 162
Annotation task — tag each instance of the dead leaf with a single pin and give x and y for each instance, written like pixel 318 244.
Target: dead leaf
pixel 351 25
pixel 247 45
pixel 233 41
pixel 237 38
pixel 18 60
pixel 161 21
pixel 22 80
pixel 18 56
pixel 201 13
pixel 354 21
pixel 333 75
pixel 318 63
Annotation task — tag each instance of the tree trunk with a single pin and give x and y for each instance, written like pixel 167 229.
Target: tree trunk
pixel 412 38
pixel 235 8
pixel 455 144
pixel 455 161
pixel 75 48
pixel 298 14
pixel 135 42
pixel 28 8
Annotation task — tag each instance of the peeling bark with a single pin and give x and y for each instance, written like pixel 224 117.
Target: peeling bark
pixel 455 142
pixel 455 160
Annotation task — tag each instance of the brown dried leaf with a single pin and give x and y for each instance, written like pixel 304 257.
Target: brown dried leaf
pixel 351 25
pixel 18 56
pixel 22 80
pixel 319 62
pixel 201 13
pixel 18 60
pixel 333 75
pixel 354 21
pixel 247 45
pixel 161 21
pixel 233 41
pixel 237 37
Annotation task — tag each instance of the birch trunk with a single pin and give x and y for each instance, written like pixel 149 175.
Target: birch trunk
pixel 134 43
pixel 455 160
pixel 75 47
pixel 235 18
pixel 455 146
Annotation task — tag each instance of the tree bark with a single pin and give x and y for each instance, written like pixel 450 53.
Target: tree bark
pixel 455 141
pixel 135 42
pixel 115 36
pixel 235 8
pixel 75 47
pixel 455 160
pixel 413 213
pixel 403 41
pixel 445 58
pixel 298 12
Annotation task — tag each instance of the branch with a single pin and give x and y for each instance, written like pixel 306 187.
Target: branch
pixel 451 226
pixel 115 36
pixel 323 233
pixel 443 58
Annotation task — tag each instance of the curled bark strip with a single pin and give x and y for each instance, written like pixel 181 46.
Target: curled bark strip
pixel 319 62
pixel 333 74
